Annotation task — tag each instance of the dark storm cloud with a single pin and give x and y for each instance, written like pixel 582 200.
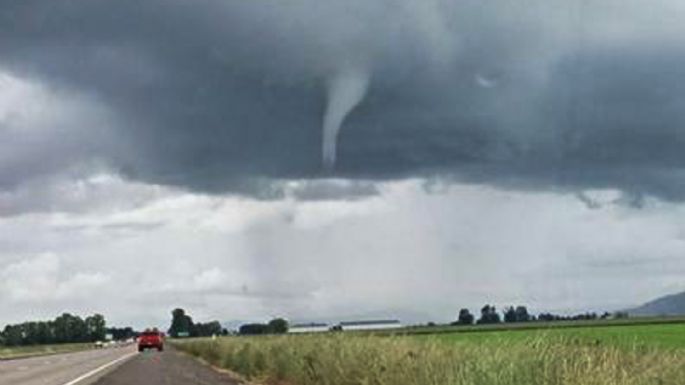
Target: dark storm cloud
pixel 333 190
pixel 230 95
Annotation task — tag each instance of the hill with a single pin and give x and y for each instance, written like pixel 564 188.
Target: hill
pixel 670 305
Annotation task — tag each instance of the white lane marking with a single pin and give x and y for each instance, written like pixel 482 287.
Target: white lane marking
pixel 101 368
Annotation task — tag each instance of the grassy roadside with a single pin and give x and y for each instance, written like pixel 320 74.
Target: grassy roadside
pixel 8 353
pixel 345 359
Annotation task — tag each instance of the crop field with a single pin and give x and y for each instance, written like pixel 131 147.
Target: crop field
pixel 637 354
pixel 662 336
pixel 637 321
pixel 39 350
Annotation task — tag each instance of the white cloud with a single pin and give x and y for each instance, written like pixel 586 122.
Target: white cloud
pixel 208 280
pixel 44 279
pixel 430 252
pixel 101 193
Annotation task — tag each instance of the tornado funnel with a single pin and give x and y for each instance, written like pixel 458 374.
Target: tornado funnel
pixel 346 89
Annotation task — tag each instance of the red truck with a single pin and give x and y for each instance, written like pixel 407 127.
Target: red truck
pixel 151 339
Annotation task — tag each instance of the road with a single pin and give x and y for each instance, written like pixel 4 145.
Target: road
pixel 116 366
pixel 167 368
pixel 63 369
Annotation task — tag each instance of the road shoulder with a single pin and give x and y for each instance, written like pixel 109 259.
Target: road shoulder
pixel 167 368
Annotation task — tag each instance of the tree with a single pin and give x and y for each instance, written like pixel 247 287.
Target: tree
pixel 489 315
pixel 549 317
pixel 253 329
pixel 44 333
pixel 181 323
pixel 119 334
pixel 522 314
pixel 66 328
pixel 13 335
pixel 465 317
pixel 621 315
pixel 516 314
pixel 97 327
pixel 278 326
pixel 510 314
pixel 207 329
pixel 70 328
pixel 30 333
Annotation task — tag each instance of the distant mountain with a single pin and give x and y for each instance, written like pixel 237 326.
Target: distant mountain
pixel 668 305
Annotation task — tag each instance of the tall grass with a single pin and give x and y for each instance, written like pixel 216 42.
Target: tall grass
pixel 368 360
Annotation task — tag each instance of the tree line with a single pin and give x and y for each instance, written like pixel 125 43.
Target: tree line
pixel 66 328
pixel 514 314
pixel 121 334
pixel 182 325
pixel 275 326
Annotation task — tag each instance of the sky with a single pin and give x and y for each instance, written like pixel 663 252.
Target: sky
pixel 333 159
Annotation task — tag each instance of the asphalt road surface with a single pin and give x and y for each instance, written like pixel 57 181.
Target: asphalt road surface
pixel 64 369
pixel 116 366
pixel 167 368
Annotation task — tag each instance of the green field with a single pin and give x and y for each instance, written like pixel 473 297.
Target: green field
pixel 39 350
pixel 630 353
pixel 665 336
pixel 539 325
